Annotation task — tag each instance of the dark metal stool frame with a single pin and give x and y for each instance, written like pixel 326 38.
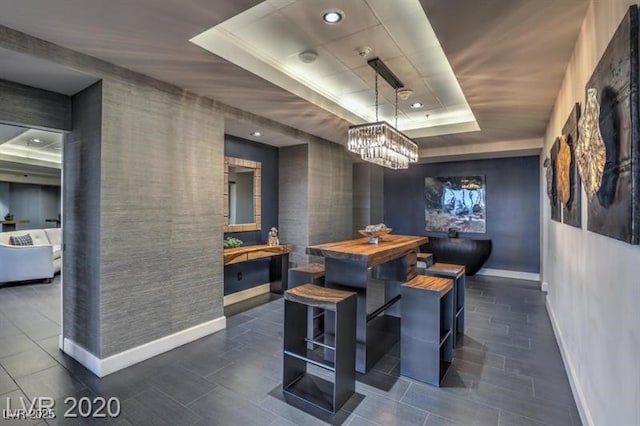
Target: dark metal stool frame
pixel 296 381
pixel 426 336
pixel 312 273
pixel 457 274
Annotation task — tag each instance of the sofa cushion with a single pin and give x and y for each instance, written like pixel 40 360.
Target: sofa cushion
pixel 57 253
pixel 37 235
pixel 54 235
pixel 21 240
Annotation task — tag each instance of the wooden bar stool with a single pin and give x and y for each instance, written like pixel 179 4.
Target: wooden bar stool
pixel 296 381
pixel 457 274
pixel 426 333
pixel 312 273
pixel 424 261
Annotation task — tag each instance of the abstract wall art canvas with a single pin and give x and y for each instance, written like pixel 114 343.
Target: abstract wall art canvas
pixel 608 148
pixel 455 202
pixel 554 199
pixel 572 202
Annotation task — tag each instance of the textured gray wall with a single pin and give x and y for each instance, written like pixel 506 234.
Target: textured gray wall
pixel 316 190
pixel 34 107
pixel 81 221
pixel 162 177
pixel 368 195
pixel 330 193
pixel 293 211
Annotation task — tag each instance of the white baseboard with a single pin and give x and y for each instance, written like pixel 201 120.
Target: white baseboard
pixel 544 287
pixel 113 363
pixel 505 273
pixel 578 394
pixel 246 294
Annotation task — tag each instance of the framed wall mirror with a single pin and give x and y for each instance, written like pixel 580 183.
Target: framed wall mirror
pixel 242 195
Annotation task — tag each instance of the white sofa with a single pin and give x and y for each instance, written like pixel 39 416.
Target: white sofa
pixel 42 260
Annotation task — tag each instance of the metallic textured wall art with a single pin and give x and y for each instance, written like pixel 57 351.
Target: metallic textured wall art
pixel 549 178
pixel 614 205
pixel 590 151
pixel 556 209
pixel 572 207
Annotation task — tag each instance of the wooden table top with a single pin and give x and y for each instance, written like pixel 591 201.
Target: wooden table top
pixel 258 251
pixel 360 251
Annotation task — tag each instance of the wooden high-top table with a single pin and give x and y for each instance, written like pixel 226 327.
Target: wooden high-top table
pixel 346 267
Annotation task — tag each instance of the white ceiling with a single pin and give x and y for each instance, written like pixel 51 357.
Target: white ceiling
pixel 268 38
pixel 40 73
pixel 509 56
pixel 30 146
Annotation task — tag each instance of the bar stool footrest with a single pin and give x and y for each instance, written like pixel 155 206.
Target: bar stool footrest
pixel 310 389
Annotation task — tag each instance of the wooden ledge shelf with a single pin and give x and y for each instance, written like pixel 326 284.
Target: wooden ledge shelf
pixel 259 251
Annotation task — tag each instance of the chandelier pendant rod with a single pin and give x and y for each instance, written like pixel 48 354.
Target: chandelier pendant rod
pixel 376 86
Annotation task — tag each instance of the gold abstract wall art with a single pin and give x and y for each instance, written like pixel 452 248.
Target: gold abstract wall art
pixel 590 150
pixel 564 170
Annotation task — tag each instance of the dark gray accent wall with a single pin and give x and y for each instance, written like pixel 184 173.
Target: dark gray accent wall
pixel 368 196
pixel 255 272
pixel 34 203
pixel 513 206
pixel 81 221
pixel 161 209
pixel 37 108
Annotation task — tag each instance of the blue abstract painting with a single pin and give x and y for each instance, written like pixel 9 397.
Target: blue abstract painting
pixel 456 202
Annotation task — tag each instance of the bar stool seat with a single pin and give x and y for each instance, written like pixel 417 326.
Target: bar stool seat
pixel 457 273
pixel 296 381
pixel 424 260
pixel 310 273
pixel 426 334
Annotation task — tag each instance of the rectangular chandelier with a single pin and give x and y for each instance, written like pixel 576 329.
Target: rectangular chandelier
pixel 382 144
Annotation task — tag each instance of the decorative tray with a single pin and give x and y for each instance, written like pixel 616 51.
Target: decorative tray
pixel 374 236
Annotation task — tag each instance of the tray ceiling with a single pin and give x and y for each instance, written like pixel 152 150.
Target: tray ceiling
pixel 509 56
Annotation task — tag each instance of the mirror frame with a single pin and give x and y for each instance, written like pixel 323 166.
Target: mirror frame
pixel 256 225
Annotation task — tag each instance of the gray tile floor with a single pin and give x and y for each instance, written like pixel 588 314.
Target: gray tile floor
pixel 508 371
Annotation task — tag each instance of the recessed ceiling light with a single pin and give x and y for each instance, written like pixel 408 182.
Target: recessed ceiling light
pixel 35 140
pixel 417 105
pixel 256 134
pixel 333 16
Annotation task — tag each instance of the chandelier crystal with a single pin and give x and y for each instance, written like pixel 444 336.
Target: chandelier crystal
pixel 382 144
pixel 379 142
